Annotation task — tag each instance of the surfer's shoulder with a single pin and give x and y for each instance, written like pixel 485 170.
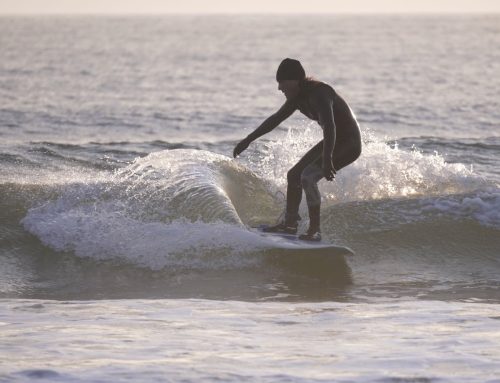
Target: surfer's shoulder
pixel 315 89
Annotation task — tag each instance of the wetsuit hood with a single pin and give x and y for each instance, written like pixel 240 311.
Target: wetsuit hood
pixel 290 69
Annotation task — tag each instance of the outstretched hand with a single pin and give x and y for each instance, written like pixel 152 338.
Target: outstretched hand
pixel 329 171
pixel 242 145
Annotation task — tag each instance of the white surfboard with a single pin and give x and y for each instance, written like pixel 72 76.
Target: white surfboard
pixel 292 243
pixel 318 259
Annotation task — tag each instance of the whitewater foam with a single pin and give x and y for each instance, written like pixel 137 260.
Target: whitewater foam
pixel 171 209
pixel 188 208
pixel 382 171
pixel 155 245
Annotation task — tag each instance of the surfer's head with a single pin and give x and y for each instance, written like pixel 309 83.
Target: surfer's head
pixel 289 75
pixel 290 69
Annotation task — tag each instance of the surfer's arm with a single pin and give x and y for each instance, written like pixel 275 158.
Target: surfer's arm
pixel 269 124
pixel 324 104
pixel 273 121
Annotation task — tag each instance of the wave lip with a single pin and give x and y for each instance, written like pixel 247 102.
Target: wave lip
pixel 174 209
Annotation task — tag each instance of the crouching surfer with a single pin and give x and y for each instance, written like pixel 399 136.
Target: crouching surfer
pixel 341 144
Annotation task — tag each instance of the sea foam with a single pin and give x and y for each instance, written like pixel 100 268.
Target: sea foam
pixel 188 208
pixel 382 170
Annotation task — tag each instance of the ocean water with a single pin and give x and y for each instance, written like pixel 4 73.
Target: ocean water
pixel 124 249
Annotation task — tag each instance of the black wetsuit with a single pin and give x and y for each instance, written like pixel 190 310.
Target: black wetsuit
pixel 341 140
pixel 318 101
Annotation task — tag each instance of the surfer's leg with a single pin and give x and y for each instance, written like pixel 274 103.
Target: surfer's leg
pixel 309 180
pixel 294 191
pixel 294 187
pixel 343 155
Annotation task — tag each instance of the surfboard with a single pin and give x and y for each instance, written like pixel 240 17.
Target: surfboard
pixel 292 243
pixel 317 259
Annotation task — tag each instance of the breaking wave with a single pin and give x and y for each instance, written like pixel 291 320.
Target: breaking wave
pixel 187 208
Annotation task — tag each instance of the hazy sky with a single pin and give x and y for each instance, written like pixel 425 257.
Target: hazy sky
pixel 251 6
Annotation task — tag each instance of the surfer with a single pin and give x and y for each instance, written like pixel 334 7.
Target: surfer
pixel 341 144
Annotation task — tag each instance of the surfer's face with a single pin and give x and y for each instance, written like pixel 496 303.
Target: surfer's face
pixel 290 88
